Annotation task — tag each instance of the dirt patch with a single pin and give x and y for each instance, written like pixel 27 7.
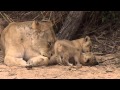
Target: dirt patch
pixel 108 68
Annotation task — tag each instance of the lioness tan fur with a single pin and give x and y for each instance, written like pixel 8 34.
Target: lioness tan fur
pixel 27 43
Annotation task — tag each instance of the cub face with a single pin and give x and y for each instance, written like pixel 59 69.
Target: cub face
pixel 88 59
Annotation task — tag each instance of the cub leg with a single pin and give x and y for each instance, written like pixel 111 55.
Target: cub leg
pixel 77 61
pixel 66 59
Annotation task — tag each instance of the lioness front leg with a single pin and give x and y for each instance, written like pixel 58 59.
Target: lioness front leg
pixel 38 61
pixel 14 61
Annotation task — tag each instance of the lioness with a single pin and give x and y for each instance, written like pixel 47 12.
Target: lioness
pixel 27 43
pixel 64 50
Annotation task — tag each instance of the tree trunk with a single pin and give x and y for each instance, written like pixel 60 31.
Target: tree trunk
pixel 70 25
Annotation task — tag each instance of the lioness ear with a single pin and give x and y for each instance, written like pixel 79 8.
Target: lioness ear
pixel 48 22
pixel 35 24
pixel 87 38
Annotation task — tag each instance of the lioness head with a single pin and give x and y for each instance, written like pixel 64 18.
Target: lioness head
pixel 88 58
pixel 44 36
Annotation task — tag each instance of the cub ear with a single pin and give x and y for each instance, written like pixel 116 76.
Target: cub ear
pixel 87 38
pixel 35 25
pixel 59 45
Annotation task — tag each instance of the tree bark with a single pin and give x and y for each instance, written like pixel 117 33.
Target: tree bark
pixel 71 25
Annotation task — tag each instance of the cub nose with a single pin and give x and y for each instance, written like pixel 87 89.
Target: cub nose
pixel 88 61
pixel 49 44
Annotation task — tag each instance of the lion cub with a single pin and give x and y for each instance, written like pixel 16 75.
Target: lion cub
pixel 64 50
pixel 83 45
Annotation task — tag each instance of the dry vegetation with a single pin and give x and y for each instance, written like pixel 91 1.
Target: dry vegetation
pixel 103 28
pixel 57 17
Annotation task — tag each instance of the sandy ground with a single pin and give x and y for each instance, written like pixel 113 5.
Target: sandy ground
pixel 107 70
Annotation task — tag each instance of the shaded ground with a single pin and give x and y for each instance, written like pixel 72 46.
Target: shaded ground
pixel 109 69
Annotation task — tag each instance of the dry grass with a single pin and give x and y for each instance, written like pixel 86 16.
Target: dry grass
pixel 13 16
pixel 32 15
pixel 105 33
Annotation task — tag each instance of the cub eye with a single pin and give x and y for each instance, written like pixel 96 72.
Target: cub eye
pixel 49 43
pixel 87 45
